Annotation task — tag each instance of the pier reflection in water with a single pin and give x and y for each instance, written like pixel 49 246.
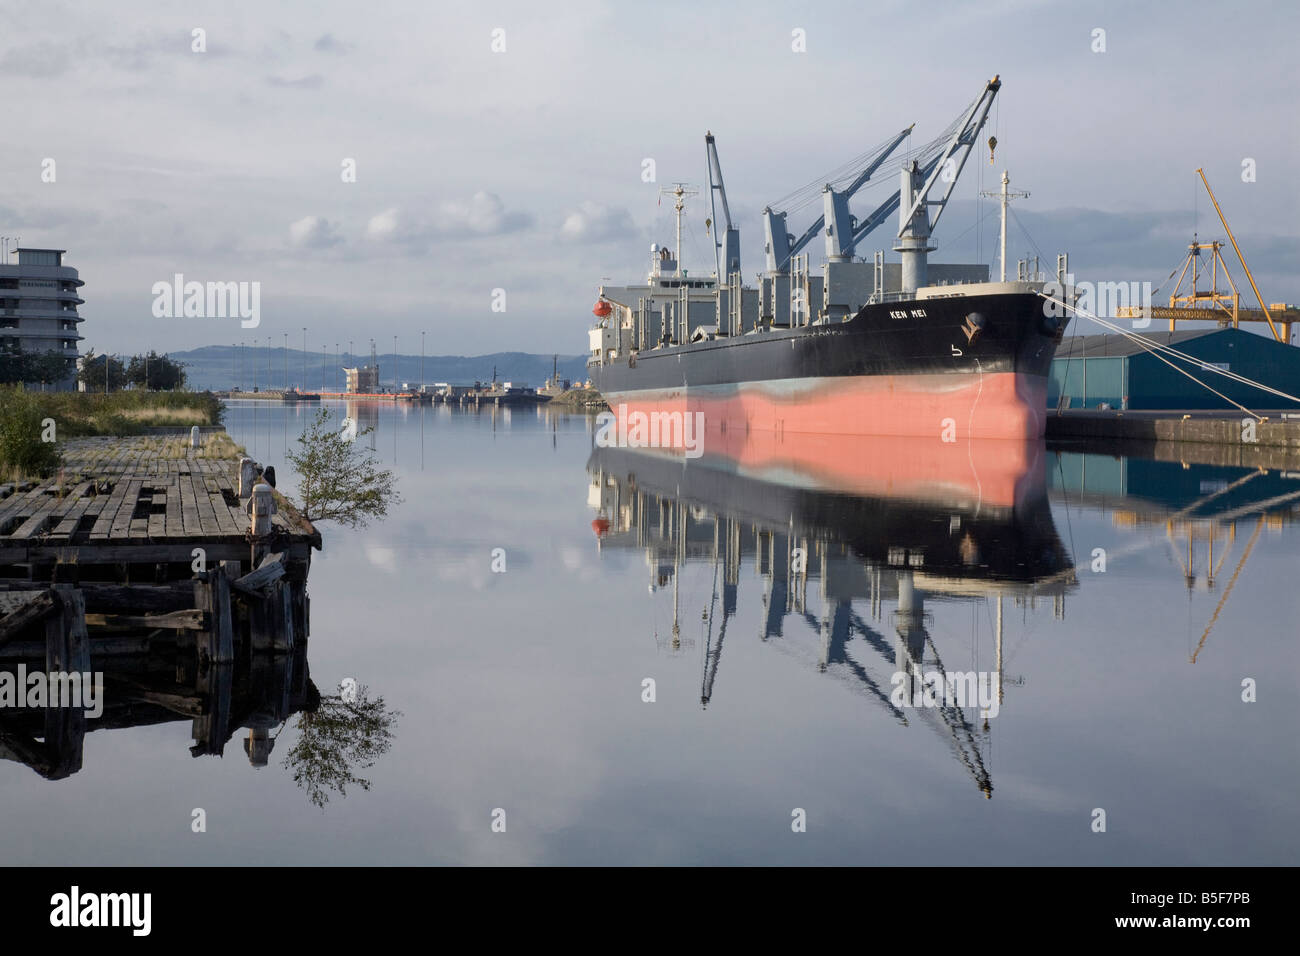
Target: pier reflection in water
pixel 141 678
pixel 854 546
pixel 155 682
pixel 160 685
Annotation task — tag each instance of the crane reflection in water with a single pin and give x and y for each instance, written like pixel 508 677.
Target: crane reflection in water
pixel 851 539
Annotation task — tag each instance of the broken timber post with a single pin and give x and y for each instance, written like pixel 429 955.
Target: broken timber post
pixel 283 634
pixel 212 594
pixel 211 731
pixel 67 647
pixel 67 651
pixel 38 606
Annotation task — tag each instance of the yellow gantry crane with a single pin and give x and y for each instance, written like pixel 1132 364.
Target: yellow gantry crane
pixel 1223 306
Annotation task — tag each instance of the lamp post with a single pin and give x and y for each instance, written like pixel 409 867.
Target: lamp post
pixel 304 356
pixel 395 386
pixel 421 361
pixel 286 361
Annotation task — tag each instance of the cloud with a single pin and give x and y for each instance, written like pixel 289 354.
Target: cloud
pixel 483 214
pixel 41 59
pixel 385 559
pixel 593 221
pixel 391 225
pixel 328 43
pixel 51 57
pixel 140 52
pixel 311 81
pixel 313 232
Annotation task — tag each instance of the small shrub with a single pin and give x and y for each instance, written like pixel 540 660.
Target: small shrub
pixel 22 450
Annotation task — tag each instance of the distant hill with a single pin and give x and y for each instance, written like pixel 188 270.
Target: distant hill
pixel 217 366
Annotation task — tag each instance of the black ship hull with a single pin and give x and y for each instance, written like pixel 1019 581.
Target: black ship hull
pixel 957 367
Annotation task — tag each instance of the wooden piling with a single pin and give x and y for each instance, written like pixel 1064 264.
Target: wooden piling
pixel 284 632
pixel 67 651
pixel 212 595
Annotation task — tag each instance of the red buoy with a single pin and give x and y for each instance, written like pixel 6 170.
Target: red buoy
pixel 601 309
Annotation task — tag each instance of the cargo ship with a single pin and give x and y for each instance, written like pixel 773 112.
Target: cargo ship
pixel 866 347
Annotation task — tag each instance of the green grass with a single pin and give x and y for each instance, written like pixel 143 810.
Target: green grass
pixel 79 414
pixel 25 417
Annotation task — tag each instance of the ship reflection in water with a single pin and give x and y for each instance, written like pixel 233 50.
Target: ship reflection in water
pixel 853 539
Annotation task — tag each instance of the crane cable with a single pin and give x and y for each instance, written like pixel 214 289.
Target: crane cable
pixel 804 195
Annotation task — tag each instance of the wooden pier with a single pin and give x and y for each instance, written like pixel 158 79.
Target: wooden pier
pixel 138 503
pixel 143 549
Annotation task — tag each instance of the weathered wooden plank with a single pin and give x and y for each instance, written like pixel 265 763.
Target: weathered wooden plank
pixel 106 510
pixel 179 701
pixel 189 619
pixel 174 526
pixel 24 504
pixel 39 520
pixel 140 523
pixel 40 605
pixel 102 645
pixel 189 507
pixel 146 552
pixel 121 526
pixel 137 599
pixel 71 517
pixel 257 583
pixel 203 500
pixel 158 519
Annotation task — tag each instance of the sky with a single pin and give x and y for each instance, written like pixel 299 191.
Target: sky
pixel 520 168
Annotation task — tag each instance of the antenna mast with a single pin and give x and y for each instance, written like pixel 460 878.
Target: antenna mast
pixel 679 191
pixel 1005 195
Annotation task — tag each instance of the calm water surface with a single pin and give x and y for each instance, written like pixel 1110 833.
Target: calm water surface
pixel 771 591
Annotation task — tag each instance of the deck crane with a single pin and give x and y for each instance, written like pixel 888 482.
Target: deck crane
pixel 843 232
pixel 726 237
pixel 915 223
pixel 781 246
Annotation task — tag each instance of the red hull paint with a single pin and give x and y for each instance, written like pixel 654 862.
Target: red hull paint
pixel 960 407
pixel 968 474
pixel 996 473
